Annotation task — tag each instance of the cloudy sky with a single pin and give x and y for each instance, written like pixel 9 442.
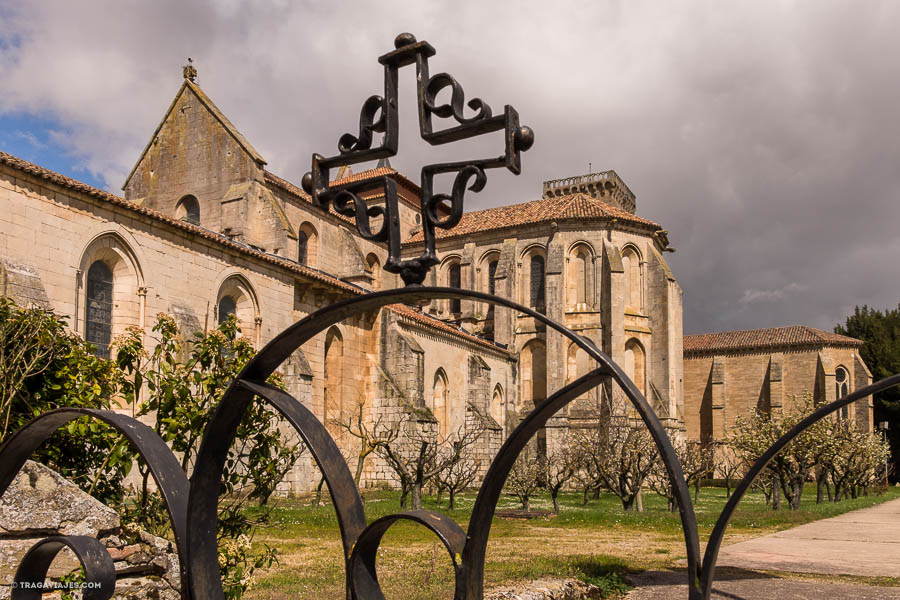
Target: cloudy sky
pixel 764 136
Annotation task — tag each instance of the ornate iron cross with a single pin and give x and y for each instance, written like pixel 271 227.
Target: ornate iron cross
pixel 379 114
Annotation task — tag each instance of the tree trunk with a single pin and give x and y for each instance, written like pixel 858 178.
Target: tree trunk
pixel 360 462
pixel 728 488
pixel 584 499
pixel 526 503
pixel 416 496
pixel 555 496
pixel 639 501
pixel 597 493
pixel 628 503
pixel 696 492
pixel 404 493
pixel 318 497
pixel 452 498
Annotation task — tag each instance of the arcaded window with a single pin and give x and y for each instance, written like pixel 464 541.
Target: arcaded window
pixel 492 277
pixel 440 401
pixel 579 277
pixel 498 409
pixel 842 388
pixel 307 245
pixel 98 312
pixel 634 284
pixel 188 209
pixel 334 383
pixel 302 247
pixel 227 306
pixel 635 365
pixel 454 280
pixel 536 283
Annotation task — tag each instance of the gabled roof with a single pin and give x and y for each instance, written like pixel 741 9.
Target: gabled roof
pixel 556 208
pixel 427 320
pixel 214 110
pixel 78 186
pixel 759 339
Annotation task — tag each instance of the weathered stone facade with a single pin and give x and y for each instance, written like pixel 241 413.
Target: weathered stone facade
pixel 205 229
pixel 732 374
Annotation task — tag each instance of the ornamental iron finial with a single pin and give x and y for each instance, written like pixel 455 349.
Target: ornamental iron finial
pixel 379 114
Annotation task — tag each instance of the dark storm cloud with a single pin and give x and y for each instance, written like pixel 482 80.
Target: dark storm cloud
pixel 764 137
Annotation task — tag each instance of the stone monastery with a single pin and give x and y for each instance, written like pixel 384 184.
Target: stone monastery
pixel 204 230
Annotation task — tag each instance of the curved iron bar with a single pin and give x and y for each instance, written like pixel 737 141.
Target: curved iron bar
pixel 436 83
pixel 715 539
pixel 364 576
pixel 168 474
pixel 344 495
pixel 99 571
pixel 221 429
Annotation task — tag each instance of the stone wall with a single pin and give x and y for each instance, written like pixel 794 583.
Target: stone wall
pixel 39 503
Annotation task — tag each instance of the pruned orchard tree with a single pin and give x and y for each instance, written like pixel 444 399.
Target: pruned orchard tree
pixel 561 466
pixel 371 436
pixel 621 453
pixel 729 465
pixel 524 478
pixel 753 435
pixel 416 456
pixel 697 462
pixel 457 476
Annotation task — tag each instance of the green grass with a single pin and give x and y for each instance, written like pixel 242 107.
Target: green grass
pixel 598 543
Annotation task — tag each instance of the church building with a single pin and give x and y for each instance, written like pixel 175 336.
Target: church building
pixel 205 230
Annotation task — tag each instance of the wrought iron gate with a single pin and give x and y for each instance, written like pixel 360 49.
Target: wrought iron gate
pixel 192 506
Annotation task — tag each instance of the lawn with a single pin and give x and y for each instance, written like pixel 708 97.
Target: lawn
pixel 598 542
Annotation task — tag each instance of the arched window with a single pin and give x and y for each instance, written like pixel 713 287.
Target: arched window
pixel 454 280
pixel 842 388
pixel 498 409
pixel 98 316
pixel 635 365
pixel 579 277
pixel 302 247
pixel 533 375
pixel 634 285
pixel 440 401
pixel 188 209
pixel 492 276
pixel 334 381
pixel 536 283
pixel 110 295
pixel 373 268
pixel 227 306
pixel 307 245
pixel 237 297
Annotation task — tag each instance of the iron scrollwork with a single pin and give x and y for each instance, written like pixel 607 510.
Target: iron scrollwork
pixel 192 506
pixel 379 115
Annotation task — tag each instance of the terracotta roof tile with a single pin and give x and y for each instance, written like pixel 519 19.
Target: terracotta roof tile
pixel 423 319
pixel 757 339
pixel 78 186
pixel 556 208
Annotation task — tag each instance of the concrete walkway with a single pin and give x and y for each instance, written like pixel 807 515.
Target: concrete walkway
pixel 862 542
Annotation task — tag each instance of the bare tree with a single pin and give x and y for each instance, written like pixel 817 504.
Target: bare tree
pixel 622 455
pixel 729 465
pixel 525 477
pixel 418 456
pixel 457 476
pixel 371 436
pixel 562 465
pixel 696 463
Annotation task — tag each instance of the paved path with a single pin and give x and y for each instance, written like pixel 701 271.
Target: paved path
pixel 863 542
